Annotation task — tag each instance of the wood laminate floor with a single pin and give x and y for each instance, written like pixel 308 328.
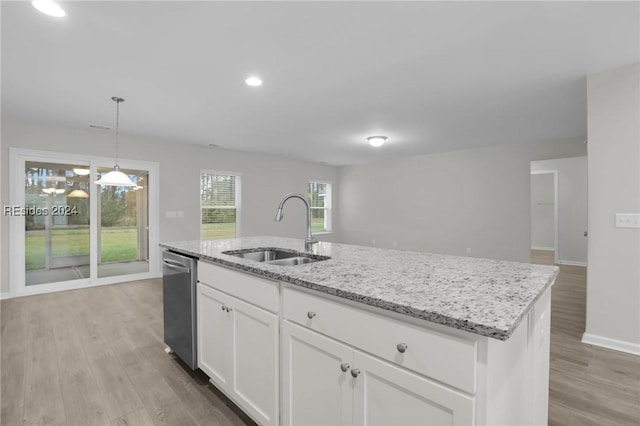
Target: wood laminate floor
pixel 96 357
pixel 588 385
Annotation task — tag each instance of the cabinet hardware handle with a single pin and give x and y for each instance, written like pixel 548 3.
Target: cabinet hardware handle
pixel 310 314
pixel 229 309
pixel 344 367
pixel 224 308
pixel 355 372
pixel 401 347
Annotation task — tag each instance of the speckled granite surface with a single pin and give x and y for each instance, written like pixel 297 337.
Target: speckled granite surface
pixel 486 297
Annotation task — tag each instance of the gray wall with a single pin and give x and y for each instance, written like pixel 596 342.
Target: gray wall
pixel 572 206
pixel 613 276
pixel 264 179
pixel 447 202
pixel 542 212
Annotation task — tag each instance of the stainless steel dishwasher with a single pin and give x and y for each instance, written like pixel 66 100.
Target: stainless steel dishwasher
pixel 179 278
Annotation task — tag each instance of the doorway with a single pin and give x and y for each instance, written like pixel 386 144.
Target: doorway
pixel 544 213
pixel 567 178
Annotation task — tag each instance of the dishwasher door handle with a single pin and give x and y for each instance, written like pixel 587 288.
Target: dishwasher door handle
pixel 176 265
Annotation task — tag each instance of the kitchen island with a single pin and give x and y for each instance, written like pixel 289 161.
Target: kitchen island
pixel 372 335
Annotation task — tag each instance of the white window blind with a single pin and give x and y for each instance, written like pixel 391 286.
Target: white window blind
pixel 219 204
pixel 320 197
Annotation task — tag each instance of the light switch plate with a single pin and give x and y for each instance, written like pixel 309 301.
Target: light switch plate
pixel 170 214
pixel 627 220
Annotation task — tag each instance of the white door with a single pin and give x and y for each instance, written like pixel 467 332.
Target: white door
pixel 316 381
pixel 214 335
pixel 255 357
pixel 386 395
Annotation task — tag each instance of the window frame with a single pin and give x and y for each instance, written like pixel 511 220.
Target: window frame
pixel 238 197
pixel 328 205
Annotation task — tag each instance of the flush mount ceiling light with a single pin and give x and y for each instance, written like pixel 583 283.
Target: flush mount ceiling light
pixel 377 141
pixel 48 7
pixel 115 177
pixel 81 172
pixel 253 81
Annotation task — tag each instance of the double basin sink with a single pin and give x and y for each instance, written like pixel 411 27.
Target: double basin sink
pixel 276 256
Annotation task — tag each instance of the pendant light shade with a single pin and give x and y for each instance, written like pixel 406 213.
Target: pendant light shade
pixel 78 193
pixel 116 177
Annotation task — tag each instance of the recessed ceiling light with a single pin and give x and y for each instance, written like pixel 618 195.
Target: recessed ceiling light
pixel 48 7
pixel 253 81
pixel 376 140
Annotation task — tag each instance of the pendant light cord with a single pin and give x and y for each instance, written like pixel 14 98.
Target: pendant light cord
pixel 117 100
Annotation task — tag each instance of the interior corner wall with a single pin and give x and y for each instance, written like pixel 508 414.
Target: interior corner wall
pixel 265 179
pixel 447 202
pixel 613 276
pixel 572 206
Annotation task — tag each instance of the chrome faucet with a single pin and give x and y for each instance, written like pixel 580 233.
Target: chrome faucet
pixel 309 241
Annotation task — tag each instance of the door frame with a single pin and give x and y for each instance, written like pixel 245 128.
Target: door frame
pixel 555 209
pixel 17 159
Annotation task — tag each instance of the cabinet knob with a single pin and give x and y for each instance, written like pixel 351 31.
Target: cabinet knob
pixel 344 367
pixel 402 347
pixel 224 308
pixel 355 372
pixel 229 309
pixel 310 314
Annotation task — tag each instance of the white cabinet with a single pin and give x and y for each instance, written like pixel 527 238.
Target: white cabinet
pixel 388 395
pixel 328 383
pixel 316 380
pixel 291 356
pixel 238 346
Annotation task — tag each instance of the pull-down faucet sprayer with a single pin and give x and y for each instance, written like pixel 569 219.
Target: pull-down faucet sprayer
pixel 309 240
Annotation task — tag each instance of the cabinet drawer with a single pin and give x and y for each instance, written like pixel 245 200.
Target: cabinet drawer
pixel 448 359
pixel 258 291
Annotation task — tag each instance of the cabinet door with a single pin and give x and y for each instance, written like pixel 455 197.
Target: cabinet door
pixel 255 357
pixel 214 335
pixel 315 389
pixel 388 395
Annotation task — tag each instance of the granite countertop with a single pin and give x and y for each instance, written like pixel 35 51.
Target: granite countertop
pixel 482 296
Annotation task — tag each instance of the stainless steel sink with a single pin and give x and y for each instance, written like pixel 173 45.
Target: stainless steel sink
pixel 292 261
pixel 276 256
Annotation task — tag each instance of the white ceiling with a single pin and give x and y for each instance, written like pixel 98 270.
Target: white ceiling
pixel 432 76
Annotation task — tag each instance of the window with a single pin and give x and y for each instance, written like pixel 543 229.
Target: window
pixel 320 197
pixel 219 205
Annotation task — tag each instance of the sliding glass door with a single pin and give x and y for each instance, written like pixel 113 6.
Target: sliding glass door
pixel 68 232
pixel 123 228
pixel 57 222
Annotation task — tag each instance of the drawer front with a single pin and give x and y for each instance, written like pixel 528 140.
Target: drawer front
pixel 445 358
pixel 258 291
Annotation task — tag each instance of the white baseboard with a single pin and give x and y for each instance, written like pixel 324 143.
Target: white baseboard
pixel 606 342
pixel 6 295
pixel 572 263
pixel 543 248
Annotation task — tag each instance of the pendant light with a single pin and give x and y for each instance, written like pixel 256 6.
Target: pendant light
pixel 78 193
pixel 115 177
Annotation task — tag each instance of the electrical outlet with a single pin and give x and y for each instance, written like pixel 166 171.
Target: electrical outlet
pixel 468 250
pixel 627 220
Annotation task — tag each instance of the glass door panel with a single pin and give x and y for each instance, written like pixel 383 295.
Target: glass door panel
pixel 56 222
pixel 123 228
